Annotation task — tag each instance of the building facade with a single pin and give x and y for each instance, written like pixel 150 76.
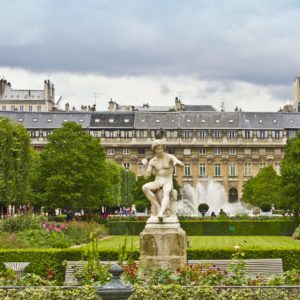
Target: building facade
pixel 228 147
pixel 27 100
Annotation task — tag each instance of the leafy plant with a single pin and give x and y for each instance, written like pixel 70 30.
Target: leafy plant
pixel 265 206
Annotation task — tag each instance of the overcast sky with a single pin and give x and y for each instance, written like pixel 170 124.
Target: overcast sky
pixel 243 53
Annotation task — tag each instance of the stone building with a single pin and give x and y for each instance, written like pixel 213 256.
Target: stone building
pixel 229 147
pixel 27 100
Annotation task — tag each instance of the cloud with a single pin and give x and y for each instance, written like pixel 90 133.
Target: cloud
pixel 219 40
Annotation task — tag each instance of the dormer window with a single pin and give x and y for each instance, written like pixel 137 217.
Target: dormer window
pixel 97 120
pixel 260 121
pixel 111 120
pixel 34 119
pixel 126 120
pixel 203 121
pixel 157 121
pixel 49 120
pixel 20 120
pixel 188 121
pixel 217 121
pixel 230 121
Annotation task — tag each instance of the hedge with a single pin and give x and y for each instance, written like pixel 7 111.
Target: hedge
pixel 214 227
pixel 43 259
pixel 156 292
pixel 177 292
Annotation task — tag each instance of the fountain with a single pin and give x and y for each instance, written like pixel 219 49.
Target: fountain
pixel 212 193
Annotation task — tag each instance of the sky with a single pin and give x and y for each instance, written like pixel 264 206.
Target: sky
pixel 242 53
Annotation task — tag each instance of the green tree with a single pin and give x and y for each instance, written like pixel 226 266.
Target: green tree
pixel 264 187
pixel 14 163
pixel 73 172
pixel 290 171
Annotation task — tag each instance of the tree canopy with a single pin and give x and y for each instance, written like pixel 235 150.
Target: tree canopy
pixel 15 156
pixel 290 172
pixel 264 187
pixel 72 171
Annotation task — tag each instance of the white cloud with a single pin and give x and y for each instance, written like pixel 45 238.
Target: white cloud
pixel 80 89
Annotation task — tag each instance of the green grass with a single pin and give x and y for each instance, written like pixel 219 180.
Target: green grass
pixel 114 242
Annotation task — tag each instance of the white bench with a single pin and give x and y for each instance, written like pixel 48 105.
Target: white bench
pixel 253 266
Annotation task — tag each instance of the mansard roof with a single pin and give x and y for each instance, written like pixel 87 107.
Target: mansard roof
pixel 157 120
pixel 47 120
pixel 112 120
pixel 261 120
pixel 291 120
pixel 211 120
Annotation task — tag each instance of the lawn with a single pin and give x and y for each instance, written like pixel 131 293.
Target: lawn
pixel 114 242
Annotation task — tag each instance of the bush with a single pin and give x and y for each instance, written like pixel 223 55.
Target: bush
pixel 21 222
pixel 296 234
pixel 203 208
pixel 265 206
pixel 40 293
pixel 140 206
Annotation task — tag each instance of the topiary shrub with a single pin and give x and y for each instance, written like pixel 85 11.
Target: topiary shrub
pixel 265 206
pixel 203 208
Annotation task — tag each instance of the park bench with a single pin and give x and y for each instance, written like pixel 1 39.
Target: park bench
pixel 266 266
pixel 253 266
pixel 76 267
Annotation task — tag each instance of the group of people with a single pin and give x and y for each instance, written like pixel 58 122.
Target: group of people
pixel 221 213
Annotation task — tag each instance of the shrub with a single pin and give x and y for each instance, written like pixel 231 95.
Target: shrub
pixel 265 206
pixel 140 206
pixel 296 234
pixel 203 208
pixel 21 222
pixel 209 293
pixel 40 293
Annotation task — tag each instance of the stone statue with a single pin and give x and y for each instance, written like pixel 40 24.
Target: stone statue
pixel 160 192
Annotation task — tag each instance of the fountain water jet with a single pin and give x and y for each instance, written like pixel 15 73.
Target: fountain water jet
pixel 212 193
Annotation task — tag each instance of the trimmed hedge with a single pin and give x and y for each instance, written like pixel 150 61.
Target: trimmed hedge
pixel 156 292
pixel 43 259
pixel 213 227
pixel 210 293
pixel 50 293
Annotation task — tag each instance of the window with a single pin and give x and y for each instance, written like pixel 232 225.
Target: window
pixel 202 134
pixel 217 151
pixel 232 134
pixel 141 134
pixel 126 134
pixel 126 120
pixel 232 170
pixel 202 170
pixel 39 108
pixel 3 107
pixel 172 151
pixel 187 151
pixel 248 171
pixel 262 134
pixel 21 108
pixel 141 169
pixel 12 108
pixel 126 165
pixel 171 134
pixel 247 134
pixel 30 108
pixel 20 120
pixel 110 151
pixel 126 151
pixel 277 151
pixel 187 170
pixel 276 134
pixel 187 134
pixel 111 120
pixel 232 151
pixel 141 150
pixel 110 134
pixel 216 134
pixel 202 151
pixel 262 165
pixel 34 119
pixel 217 170
pixel 97 120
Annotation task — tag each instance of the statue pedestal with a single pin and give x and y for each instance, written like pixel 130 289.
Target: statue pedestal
pixel 162 244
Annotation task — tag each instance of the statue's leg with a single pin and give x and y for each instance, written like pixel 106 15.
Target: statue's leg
pixel 167 187
pixel 147 189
